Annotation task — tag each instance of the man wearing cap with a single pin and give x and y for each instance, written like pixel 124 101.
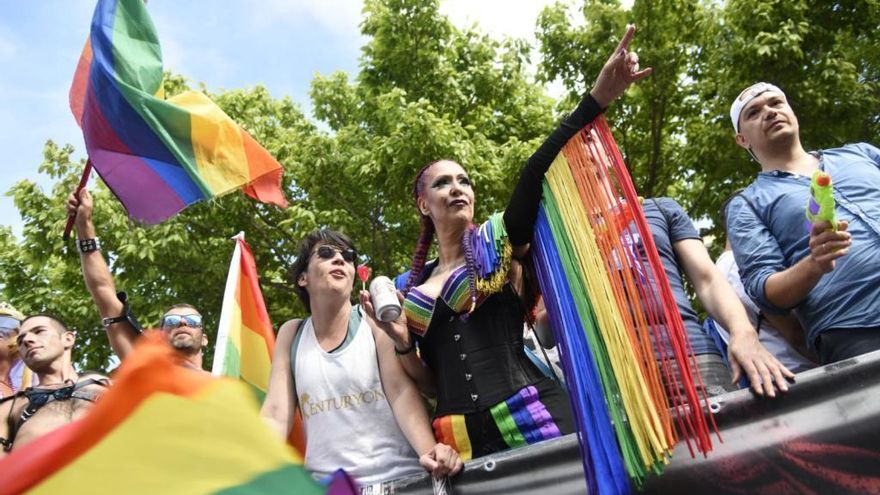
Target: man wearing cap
pixel 12 368
pixel 829 278
pixel 182 323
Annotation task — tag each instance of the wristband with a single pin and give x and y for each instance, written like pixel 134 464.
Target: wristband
pixel 406 351
pixel 88 245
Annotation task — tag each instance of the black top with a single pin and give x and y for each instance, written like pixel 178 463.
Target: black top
pixel 479 359
pixel 522 210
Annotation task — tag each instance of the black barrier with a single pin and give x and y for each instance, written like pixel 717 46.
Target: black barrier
pixel 822 438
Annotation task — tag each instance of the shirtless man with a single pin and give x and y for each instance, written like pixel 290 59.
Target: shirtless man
pixel 45 345
pixel 181 323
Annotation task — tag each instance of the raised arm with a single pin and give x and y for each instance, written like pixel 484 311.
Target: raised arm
pixel 121 333
pixel 409 410
pixel 746 353
pixel 279 407
pixel 618 73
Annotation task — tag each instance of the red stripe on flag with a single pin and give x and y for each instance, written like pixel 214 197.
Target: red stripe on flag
pixel 156 365
pixel 254 316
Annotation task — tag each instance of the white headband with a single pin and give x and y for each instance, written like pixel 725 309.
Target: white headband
pixel 745 97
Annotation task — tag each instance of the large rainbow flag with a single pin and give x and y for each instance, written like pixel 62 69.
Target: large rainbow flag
pixel 158 155
pixel 610 319
pixel 163 428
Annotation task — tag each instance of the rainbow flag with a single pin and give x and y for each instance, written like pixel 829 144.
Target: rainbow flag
pixel 245 339
pixel 163 428
pixel 158 155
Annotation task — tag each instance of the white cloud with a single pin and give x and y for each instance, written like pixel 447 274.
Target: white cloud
pixel 497 18
pixel 341 17
pixel 7 47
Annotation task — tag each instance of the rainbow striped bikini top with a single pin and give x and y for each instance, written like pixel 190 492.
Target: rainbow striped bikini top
pixel 456 293
pixel 492 254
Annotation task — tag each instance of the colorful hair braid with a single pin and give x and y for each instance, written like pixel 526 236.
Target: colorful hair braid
pixel 426 236
pixel 468 247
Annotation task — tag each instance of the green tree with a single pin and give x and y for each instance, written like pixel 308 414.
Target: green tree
pixel 426 90
pixel 823 54
pixel 673 128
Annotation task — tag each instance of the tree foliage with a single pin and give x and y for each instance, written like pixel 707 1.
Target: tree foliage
pixel 673 129
pixel 427 90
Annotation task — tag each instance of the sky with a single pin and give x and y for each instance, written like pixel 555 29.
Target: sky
pixel 225 44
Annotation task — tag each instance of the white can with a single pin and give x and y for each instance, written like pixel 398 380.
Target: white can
pixel 383 293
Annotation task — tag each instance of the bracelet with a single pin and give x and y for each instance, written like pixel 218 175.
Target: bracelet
pixel 88 245
pixel 406 351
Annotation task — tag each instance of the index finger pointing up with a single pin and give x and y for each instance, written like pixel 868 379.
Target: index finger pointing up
pixel 627 37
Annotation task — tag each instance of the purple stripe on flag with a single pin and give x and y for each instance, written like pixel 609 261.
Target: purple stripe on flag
pixel 539 413
pixel 126 175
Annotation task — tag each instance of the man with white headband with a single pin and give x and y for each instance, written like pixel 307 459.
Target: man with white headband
pixel 829 278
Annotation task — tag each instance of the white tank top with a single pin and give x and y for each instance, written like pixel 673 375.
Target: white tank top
pixel 348 422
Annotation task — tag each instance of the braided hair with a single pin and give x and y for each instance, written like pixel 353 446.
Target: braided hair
pixel 426 237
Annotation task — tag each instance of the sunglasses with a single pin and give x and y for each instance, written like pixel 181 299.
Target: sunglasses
pixel 326 252
pixel 38 397
pixel 8 323
pixel 174 321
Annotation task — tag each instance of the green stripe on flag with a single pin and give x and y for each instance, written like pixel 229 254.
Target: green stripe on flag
pixel 286 479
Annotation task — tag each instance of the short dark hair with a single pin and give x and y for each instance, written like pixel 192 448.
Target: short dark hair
pixel 320 236
pixel 181 305
pixel 52 317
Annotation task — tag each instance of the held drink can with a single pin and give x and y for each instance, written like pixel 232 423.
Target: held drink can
pixel 384 297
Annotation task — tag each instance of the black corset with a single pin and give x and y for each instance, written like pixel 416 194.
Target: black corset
pixel 477 360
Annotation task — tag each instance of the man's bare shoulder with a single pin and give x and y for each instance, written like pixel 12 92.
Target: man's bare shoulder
pixel 289 328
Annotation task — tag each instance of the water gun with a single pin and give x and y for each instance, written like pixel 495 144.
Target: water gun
pixel 821 205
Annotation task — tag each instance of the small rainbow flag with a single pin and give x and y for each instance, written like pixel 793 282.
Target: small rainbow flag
pixel 163 428
pixel 158 156
pixel 245 339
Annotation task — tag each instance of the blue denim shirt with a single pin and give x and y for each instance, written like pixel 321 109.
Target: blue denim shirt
pixel 776 236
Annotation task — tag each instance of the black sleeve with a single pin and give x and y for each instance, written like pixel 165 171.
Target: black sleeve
pixel 522 210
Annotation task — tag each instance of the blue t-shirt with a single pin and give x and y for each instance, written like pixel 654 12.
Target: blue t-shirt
pixel 669 224
pixel 771 235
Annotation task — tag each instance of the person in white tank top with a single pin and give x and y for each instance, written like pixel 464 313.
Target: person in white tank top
pixel 361 412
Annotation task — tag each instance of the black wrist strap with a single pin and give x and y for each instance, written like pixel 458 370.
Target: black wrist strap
pixel 88 245
pixel 406 351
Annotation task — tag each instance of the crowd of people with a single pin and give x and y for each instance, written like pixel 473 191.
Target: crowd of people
pixel 781 299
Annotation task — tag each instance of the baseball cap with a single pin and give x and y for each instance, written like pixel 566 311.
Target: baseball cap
pixel 745 97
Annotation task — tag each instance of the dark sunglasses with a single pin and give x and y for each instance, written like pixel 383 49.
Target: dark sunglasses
pixel 38 397
pixel 326 252
pixel 174 321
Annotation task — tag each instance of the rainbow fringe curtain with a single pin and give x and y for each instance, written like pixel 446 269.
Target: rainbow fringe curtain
pixel 604 315
pixel 156 155
pixel 163 428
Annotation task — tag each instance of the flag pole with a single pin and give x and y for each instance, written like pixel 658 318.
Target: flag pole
pixel 82 184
